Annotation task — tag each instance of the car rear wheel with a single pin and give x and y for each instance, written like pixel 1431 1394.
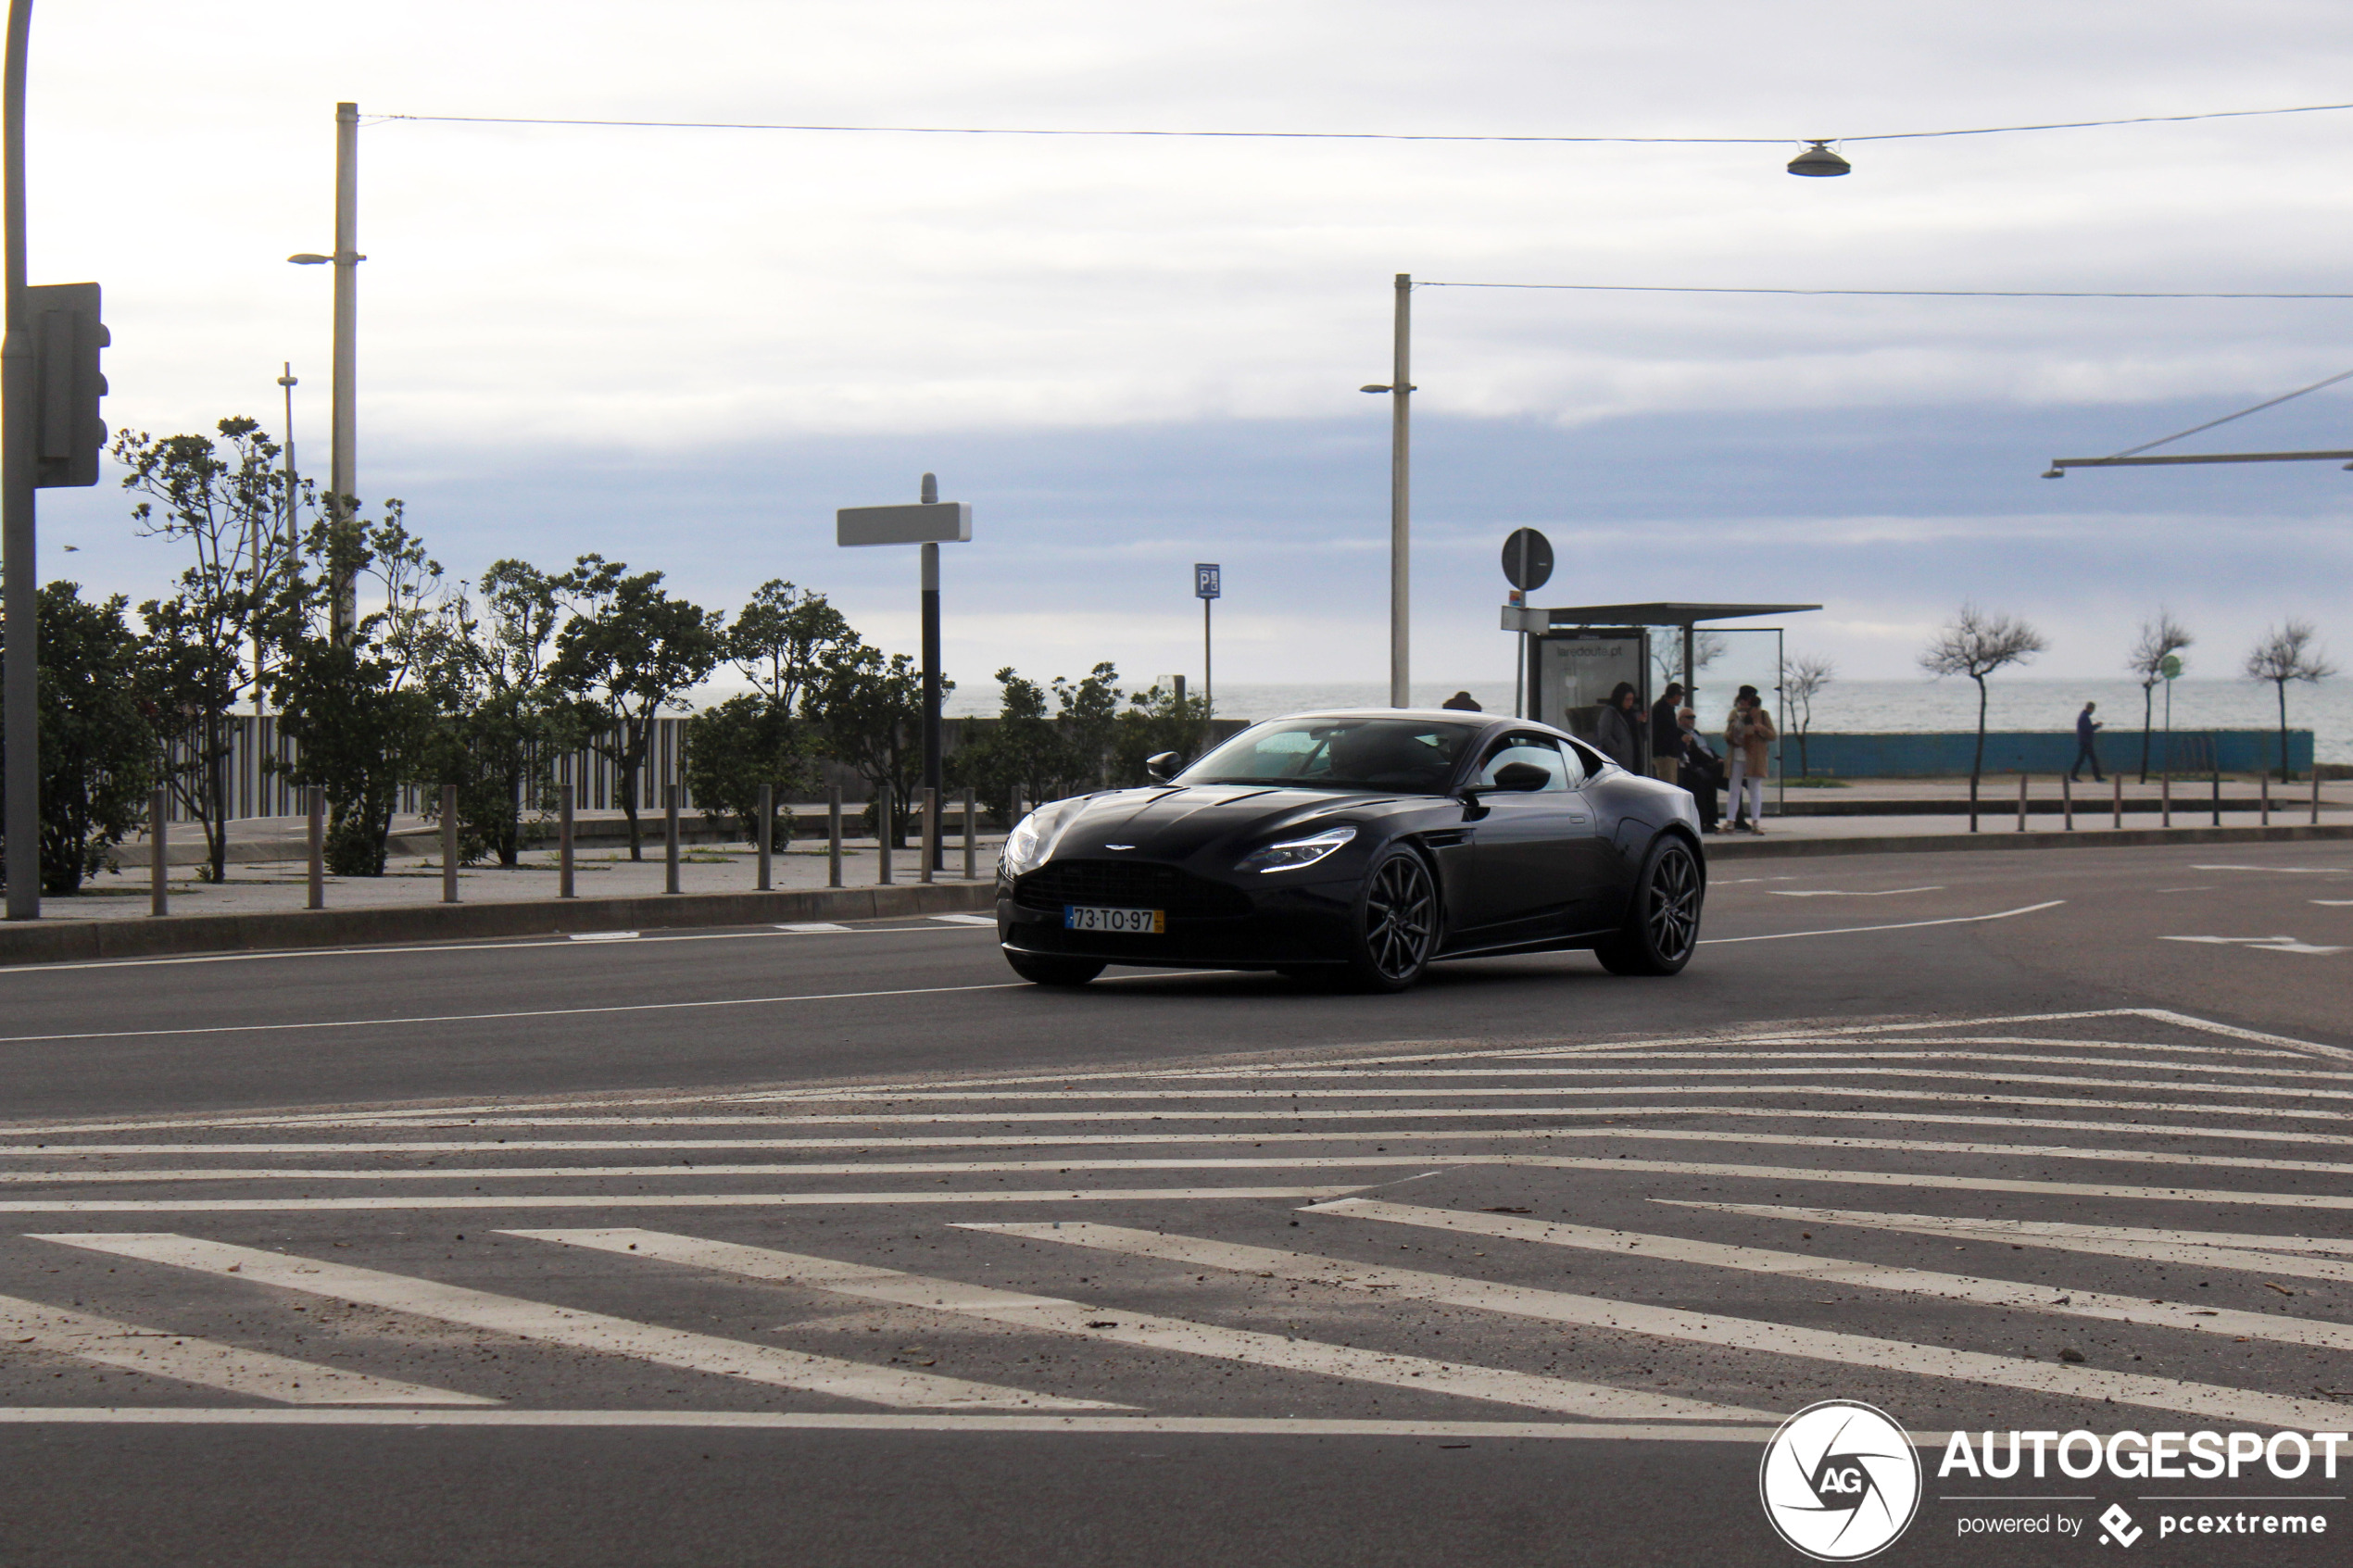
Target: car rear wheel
pixel 1662 927
pixel 1043 969
pixel 1396 923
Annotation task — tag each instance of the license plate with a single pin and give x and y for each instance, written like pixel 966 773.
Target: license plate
pixel 1086 917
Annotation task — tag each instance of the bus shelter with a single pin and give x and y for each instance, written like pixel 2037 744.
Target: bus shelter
pixel 1574 656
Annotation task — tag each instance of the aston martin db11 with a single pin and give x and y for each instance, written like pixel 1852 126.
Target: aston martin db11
pixel 1359 847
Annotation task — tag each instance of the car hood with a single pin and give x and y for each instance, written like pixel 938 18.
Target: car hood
pixel 1176 823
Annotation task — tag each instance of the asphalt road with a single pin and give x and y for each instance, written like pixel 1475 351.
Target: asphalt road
pixel 328 1258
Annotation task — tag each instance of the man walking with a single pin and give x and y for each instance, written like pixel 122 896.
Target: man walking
pixel 2086 749
pixel 1667 737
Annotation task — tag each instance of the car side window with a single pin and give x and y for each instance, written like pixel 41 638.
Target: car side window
pixel 1540 751
pixel 1584 762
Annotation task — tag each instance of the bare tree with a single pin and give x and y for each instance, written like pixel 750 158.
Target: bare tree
pixel 1802 677
pixel 2286 654
pixel 2160 639
pixel 1976 644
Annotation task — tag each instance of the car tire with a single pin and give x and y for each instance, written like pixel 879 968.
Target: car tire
pixel 1396 925
pixel 1044 969
pixel 1661 931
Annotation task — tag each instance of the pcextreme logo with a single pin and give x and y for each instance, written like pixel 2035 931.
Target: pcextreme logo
pixel 1840 1481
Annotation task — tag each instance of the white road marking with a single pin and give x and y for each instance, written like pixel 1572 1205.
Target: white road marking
pixel 2214 1250
pixel 813 927
pixel 1978 1291
pixel 572 1329
pixel 655 1200
pixel 2333 903
pixel 799 1420
pixel 2284 871
pixel 1149 1330
pixel 254 1374
pixel 2237 1405
pixel 988 921
pixel 2256 944
pixel 601 937
pixel 1901 925
pixel 1848 892
pixel 504 1017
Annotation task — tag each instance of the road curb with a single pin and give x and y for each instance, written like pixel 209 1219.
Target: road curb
pixel 1774 847
pixel 84 940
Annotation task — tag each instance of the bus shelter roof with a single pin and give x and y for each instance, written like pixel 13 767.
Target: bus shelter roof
pixel 1683 615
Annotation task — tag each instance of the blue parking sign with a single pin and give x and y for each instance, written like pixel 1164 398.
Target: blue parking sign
pixel 1205 585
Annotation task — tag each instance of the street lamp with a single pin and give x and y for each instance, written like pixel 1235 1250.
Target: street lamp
pixel 1401 391
pixel 1818 162
pixel 344 397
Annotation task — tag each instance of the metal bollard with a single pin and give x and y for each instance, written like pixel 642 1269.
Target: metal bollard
pixel 832 835
pixel 2115 783
pixel 563 841
pixel 449 844
pixel 767 833
pixel 158 870
pixel 2165 800
pixel 2316 792
pixel 2266 781
pixel 318 847
pixel 971 824
pixel 2218 800
pixel 670 837
pixel 931 832
pixel 2067 800
pixel 882 836
pixel 2022 803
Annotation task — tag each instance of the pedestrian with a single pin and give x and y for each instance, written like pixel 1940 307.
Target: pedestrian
pixel 1463 702
pixel 1749 735
pixel 2086 749
pixel 1613 729
pixel 1667 737
pixel 1701 772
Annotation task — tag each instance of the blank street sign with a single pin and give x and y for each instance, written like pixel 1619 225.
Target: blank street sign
pixel 943 522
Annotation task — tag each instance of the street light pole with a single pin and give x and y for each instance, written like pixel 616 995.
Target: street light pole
pixel 345 439
pixel 1399 493
pixel 20 682
pixel 934 781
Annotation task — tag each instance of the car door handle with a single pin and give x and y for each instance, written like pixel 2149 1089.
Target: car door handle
pixel 1578 817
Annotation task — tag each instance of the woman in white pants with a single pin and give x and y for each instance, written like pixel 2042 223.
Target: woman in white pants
pixel 1748 738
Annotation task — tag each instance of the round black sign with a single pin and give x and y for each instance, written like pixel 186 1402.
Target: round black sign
pixel 1538 568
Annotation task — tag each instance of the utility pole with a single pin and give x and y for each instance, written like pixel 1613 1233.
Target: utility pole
pixel 19 683
pixel 342 455
pixel 933 780
pixel 1401 382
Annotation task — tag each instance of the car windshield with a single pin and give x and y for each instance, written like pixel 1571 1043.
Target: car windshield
pixel 1416 756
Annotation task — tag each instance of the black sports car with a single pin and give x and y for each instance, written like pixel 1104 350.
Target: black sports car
pixel 1359 846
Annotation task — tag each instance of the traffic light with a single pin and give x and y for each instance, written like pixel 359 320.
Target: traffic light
pixel 67 337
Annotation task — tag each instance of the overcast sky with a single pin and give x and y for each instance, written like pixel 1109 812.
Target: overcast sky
pixel 684 348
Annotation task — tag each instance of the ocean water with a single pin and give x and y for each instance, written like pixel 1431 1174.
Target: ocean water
pixel 1906 707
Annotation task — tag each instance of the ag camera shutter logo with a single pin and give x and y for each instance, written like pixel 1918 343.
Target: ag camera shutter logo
pixel 1840 1481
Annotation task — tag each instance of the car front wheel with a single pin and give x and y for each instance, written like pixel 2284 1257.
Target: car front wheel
pixel 1396 926
pixel 1662 925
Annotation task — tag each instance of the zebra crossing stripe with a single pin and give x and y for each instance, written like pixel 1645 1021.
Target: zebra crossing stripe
pixel 2240 1406
pixel 572 1329
pixel 1148 1331
pixel 2062 1303
pixel 654 1200
pixel 232 1369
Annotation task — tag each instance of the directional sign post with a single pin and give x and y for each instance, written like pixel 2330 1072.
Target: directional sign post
pixel 931 523
pixel 1528 565
pixel 1207 587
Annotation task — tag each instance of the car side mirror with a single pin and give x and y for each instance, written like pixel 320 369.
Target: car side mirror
pixel 1162 765
pixel 1520 778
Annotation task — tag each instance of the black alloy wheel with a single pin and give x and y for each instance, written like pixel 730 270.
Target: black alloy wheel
pixel 1045 969
pixel 1662 927
pixel 1396 923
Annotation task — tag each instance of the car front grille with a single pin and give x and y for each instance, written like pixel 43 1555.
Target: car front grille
pixel 1135 884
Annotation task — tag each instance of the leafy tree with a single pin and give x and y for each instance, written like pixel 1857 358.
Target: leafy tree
pixel 783 638
pixel 224 497
pixel 628 651
pixel 870 710
pixel 1803 678
pixel 2284 654
pixel 739 747
pixel 360 706
pixel 2158 639
pixel 97 749
pixel 1977 645
pixel 1156 721
pixel 1087 715
pixel 1021 754
pixel 504 723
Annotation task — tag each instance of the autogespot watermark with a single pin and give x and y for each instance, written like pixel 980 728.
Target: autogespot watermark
pixel 1841 1481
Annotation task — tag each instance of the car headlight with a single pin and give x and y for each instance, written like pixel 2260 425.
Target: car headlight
pixel 1291 854
pixel 1024 848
